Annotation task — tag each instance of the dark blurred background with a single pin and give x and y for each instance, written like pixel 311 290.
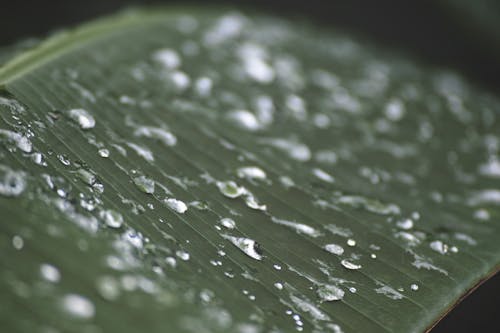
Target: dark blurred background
pixel 463 35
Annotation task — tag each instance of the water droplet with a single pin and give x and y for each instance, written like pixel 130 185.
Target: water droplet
pixel 439 247
pixel 203 86
pixel 168 58
pixel 247 245
pixel 373 256
pixel 112 218
pixel 12 183
pixel 389 292
pixel 405 224
pixel 414 287
pixel 86 176
pixel 177 205
pixel 244 119
pixel 228 223
pixel 353 290
pixel 82 117
pixel 295 150
pixel 103 152
pixel 50 273
pixel 200 205
pixel 157 133
pixel 108 287
pixel 141 151
pixel 253 203
pixel 351 242
pixel 145 184
pixel 21 141
pixel 324 176
pixel 329 293
pixel 17 242
pixel 277 267
pixel 253 57
pixel 298 227
pixel 279 285
pixel 183 255
pixel 395 110
pixel 78 306
pixel 334 248
pixel 350 265
pixel 230 189
pixel 251 173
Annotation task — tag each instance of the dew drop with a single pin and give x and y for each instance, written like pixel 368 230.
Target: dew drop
pixel 247 245
pixel 278 285
pixel 12 183
pixel 405 224
pixel 78 306
pixel 112 218
pixel 228 223
pixel 86 176
pixel 17 242
pixel 168 58
pixel 414 287
pixel 350 265
pixel 251 173
pixel 50 273
pixel 157 133
pixel 108 287
pixel 334 248
pixel 183 255
pixel 328 293
pixel 230 189
pixel 177 205
pixel 103 152
pixel 19 140
pixel 439 247
pixel 244 119
pixel 82 117
pixel 351 242
pixel 145 184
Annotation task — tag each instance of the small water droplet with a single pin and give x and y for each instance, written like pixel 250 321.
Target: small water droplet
pixel 17 242
pixel 112 218
pixel 350 265
pixel 160 134
pixel 168 58
pixel 334 248
pixel 50 273
pixel 351 242
pixel 439 246
pixel 251 172
pixel 145 184
pixel 228 223
pixel 108 287
pixel 323 175
pixel 82 117
pixel 230 189
pixel 405 224
pixel 78 306
pixel 247 245
pixel 103 152
pixel 279 285
pixel 177 205
pixel 21 141
pixel 12 183
pixel 86 176
pixel 328 293
pixel 414 287
pixel 183 255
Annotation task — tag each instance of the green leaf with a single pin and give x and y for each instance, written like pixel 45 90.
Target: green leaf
pixel 210 171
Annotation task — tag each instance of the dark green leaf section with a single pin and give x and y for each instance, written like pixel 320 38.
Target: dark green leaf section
pixel 219 172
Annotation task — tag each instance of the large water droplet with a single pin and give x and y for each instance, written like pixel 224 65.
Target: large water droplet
pixel 228 223
pixel 50 273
